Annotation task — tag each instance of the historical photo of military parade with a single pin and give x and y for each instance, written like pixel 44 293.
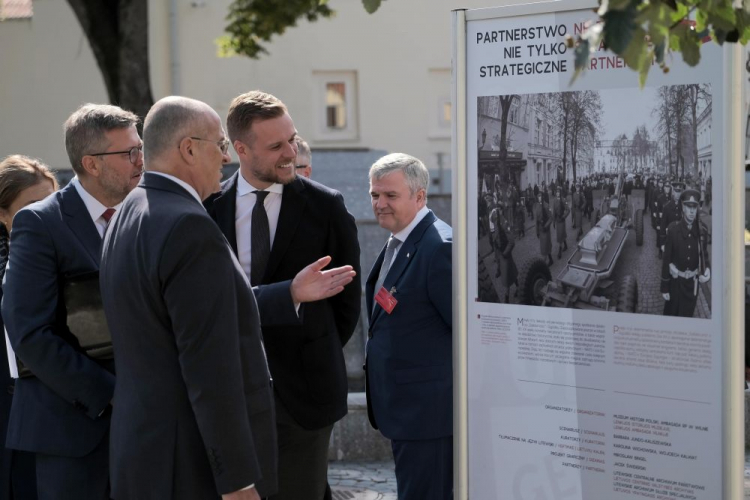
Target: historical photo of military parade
pixel 597 199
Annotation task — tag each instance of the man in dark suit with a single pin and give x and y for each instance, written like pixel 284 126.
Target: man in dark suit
pixel 409 303
pixel 62 413
pixel 193 417
pixel 296 222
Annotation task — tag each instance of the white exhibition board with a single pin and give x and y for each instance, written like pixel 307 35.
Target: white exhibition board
pixel 569 403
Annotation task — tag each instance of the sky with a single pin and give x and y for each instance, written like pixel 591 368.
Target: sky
pixel 625 109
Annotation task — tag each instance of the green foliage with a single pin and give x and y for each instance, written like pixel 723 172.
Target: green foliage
pixel 643 31
pixel 371 5
pixel 252 22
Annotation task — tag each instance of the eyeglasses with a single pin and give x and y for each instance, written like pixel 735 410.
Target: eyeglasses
pixel 223 143
pixel 133 153
pixel 301 166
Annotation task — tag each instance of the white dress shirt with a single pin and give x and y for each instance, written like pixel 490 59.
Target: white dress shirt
pixel 244 213
pixel 95 208
pixel 405 232
pixel 190 189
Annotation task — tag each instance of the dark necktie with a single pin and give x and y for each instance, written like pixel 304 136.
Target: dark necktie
pixel 260 239
pixel 393 244
pixel 108 214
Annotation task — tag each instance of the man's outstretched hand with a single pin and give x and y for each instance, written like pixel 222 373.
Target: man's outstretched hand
pixel 312 283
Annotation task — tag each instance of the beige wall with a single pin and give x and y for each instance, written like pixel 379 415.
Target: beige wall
pixel 401 56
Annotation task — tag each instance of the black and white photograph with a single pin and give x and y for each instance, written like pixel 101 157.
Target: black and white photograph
pixel 597 200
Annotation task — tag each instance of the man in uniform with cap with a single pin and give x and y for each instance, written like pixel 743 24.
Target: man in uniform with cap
pixel 685 263
pixel 671 212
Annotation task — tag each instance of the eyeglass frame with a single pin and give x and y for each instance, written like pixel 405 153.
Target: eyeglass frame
pixel 223 144
pixel 129 152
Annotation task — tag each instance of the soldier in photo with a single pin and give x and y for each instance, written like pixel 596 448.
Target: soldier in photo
pixel 588 194
pixel 543 220
pixel 579 203
pixel 560 212
pixel 663 198
pixel 671 212
pixel 502 235
pixel 685 263
pixel 655 200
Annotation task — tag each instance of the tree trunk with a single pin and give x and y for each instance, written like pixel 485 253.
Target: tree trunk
pixel 117 31
pixel 505 102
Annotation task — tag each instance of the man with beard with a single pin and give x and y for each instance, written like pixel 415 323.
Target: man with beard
pixel 685 262
pixel 62 412
pixel 279 222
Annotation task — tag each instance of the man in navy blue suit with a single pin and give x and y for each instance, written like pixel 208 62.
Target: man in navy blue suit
pixel 61 414
pixel 409 351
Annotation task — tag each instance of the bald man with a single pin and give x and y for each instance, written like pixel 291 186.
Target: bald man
pixel 194 417
pixel 303 163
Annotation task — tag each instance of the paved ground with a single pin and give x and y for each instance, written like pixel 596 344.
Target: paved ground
pixel 376 481
pixel 362 480
pixel 640 261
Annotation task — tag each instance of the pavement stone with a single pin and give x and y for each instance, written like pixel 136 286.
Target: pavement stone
pixel 377 480
pixel 362 480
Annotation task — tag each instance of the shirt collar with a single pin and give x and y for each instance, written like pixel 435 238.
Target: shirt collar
pixel 244 187
pixel 405 232
pixel 94 206
pixel 190 189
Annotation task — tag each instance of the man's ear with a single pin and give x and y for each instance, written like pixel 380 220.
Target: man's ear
pixel 187 150
pixel 241 148
pixel 91 165
pixel 421 196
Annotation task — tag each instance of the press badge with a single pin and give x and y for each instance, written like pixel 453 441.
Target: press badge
pixel 386 299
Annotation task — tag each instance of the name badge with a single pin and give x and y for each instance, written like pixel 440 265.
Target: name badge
pixel 386 300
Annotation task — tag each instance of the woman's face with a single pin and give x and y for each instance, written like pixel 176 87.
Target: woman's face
pixel 37 192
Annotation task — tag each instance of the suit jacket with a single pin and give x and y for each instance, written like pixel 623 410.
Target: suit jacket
pixel 16 467
pixel 58 411
pixel 193 415
pixel 306 360
pixel 409 353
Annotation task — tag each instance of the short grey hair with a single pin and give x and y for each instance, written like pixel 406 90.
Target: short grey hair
pixel 302 147
pixel 85 130
pixel 417 176
pixel 168 121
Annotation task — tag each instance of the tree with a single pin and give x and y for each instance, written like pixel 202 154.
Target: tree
pixel 579 117
pixel 643 31
pixel 117 31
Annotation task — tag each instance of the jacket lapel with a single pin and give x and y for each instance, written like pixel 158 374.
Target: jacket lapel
pixel 404 257
pixel 225 206
pixel 293 202
pixel 79 221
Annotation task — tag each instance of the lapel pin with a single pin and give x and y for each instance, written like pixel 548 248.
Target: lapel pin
pixel 393 290
pixel 407 255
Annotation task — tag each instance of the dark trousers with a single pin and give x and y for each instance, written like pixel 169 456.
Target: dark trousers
pixel 19 475
pixel 303 458
pixel 424 468
pixel 681 301
pixel 80 478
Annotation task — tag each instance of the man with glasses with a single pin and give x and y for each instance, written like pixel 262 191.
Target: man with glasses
pixel 61 413
pixel 193 414
pixel 303 163
pixel 278 222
